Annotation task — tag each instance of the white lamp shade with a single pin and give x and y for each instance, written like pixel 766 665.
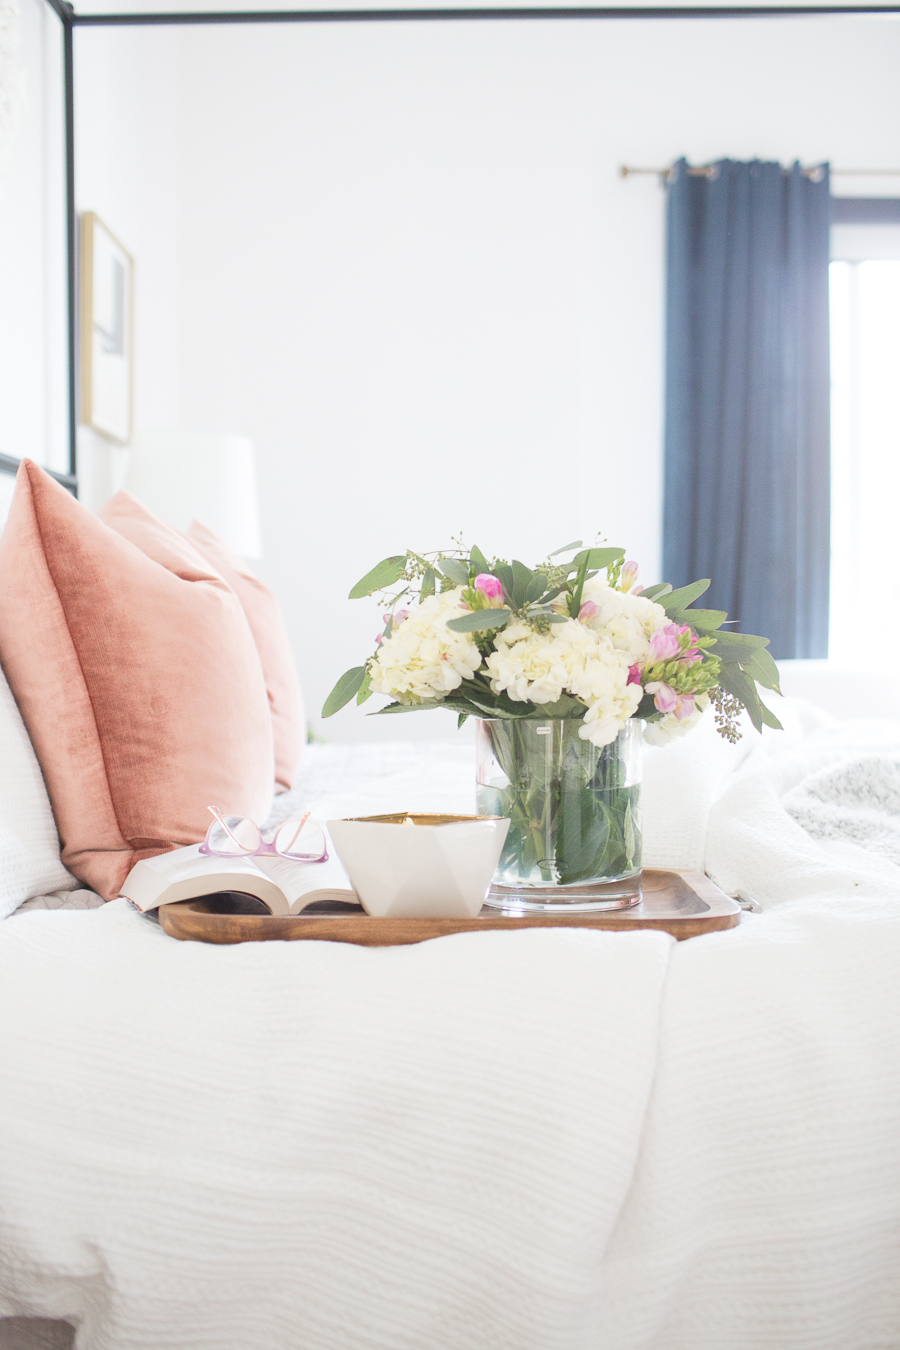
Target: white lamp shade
pixel 185 475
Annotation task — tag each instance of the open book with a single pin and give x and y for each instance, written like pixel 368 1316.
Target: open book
pixel 284 887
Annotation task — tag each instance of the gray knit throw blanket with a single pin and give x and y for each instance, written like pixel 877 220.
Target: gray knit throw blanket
pixel 856 802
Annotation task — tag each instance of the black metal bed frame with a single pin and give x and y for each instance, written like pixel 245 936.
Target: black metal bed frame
pixel 70 20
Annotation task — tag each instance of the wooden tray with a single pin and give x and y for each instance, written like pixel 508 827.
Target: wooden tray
pixel 684 904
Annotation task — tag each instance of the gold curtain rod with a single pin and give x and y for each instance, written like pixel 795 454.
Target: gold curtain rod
pixel 710 171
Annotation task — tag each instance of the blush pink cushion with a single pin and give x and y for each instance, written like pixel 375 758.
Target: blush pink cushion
pixel 267 627
pixel 137 677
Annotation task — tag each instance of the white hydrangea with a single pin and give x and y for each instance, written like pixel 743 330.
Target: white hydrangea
pixel 532 666
pixel 570 658
pixel 671 728
pixel 424 659
pixel 629 621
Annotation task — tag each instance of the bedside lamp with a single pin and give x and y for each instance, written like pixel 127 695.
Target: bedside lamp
pixel 211 477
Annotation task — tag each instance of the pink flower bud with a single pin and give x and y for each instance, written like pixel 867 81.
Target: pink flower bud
pixel 377 639
pixel 684 706
pixel 628 576
pixel 634 674
pixel 588 610
pixel 400 616
pixel 489 586
pixel 664 696
pixel 666 642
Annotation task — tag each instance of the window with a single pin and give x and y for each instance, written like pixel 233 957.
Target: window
pixel 865 430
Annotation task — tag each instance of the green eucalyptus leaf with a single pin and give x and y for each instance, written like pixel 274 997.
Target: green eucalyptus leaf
pixel 477 559
pixel 455 569
pixel 535 588
pixel 347 686
pixel 406 707
pixel 729 639
pixel 762 668
pixel 385 574
pixel 504 575
pixel 478 620
pixel 703 620
pixel 599 557
pixel 680 599
pixel 576 543
pixel 504 706
pixel 736 647
pixel 575 597
pixel 461 721
pixel 429 581
pixel 735 653
pixel 565 706
pixel 769 718
pixel 522 579
pixel 656 592
pixel 733 679
pixel 494 706
pixel 461 703
pixel 365 689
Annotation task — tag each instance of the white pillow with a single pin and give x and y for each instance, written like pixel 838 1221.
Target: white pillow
pixel 29 844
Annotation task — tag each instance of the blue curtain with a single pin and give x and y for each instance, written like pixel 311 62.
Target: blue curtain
pixel 747 482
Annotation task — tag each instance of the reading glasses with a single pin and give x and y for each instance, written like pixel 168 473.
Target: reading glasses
pixel 299 840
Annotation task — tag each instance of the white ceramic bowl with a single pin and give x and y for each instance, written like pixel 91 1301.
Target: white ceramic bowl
pixel 413 865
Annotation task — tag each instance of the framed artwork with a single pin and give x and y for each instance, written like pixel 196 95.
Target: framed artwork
pixel 107 275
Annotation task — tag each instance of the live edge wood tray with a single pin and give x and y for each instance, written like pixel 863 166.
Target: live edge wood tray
pixel 684 904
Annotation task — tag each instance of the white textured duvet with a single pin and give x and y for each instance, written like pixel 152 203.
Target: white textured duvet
pixel 529 1141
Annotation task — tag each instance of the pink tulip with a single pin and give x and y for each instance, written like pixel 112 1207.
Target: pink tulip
pixel 664 696
pixel 489 586
pixel 588 610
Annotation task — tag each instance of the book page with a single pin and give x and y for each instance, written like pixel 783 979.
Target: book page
pixel 297 879
pixel 186 873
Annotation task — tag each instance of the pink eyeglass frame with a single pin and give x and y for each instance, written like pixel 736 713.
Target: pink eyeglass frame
pixel 263 847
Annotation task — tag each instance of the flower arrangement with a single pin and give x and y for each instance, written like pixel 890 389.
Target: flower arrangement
pixel 576 639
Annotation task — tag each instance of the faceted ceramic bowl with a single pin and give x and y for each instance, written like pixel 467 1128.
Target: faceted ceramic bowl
pixel 412 865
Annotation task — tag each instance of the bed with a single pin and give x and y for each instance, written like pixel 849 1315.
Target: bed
pixel 541 1140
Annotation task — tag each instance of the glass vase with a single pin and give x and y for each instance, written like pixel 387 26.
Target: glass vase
pixel 574 812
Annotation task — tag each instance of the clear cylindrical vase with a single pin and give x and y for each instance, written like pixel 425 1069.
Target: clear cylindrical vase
pixel 574 811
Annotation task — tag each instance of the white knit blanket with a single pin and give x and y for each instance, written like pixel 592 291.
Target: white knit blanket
pixel 814 816
pixel 545 1140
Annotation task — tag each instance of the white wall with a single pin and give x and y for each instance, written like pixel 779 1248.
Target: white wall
pixel 34 378
pixel 410 273
pixel 126 126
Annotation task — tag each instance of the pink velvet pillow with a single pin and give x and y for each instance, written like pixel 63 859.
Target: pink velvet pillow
pixel 137 678
pixel 267 627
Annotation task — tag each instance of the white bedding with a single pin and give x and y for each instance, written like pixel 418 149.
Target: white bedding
pixel 534 1141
